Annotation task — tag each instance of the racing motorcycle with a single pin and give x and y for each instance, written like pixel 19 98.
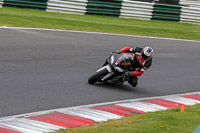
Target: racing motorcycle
pixel 114 70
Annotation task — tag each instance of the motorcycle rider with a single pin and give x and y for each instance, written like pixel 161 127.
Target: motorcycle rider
pixel 141 61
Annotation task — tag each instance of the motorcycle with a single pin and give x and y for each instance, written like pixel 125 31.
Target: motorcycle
pixel 114 70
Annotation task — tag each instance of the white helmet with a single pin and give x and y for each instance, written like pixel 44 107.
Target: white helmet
pixel 147 52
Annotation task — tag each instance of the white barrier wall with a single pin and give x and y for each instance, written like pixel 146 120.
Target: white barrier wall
pixel 136 10
pixel 190 14
pixel 183 10
pixel 190 11
pixel 191 3
pixel 67 6
pixel 1 2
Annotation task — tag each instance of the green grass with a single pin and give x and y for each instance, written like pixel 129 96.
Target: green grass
pixel 42 19
pixel 169 121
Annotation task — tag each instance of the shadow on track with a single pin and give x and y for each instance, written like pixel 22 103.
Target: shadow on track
pixel 125 88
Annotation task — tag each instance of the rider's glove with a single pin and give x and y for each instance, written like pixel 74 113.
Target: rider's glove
pixel 127 75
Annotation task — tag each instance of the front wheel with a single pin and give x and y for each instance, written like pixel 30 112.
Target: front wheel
pixel 94 78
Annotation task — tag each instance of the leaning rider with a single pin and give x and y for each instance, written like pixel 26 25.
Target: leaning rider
pixel 142 61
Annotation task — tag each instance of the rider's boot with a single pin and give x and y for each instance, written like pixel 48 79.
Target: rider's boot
pixel 133 81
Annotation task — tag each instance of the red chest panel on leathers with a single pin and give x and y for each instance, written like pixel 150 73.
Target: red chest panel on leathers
pixel 140 60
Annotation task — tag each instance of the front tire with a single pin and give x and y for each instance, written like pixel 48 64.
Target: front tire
pixel 94 78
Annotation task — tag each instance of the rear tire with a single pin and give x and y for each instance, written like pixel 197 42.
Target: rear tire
pixel 94 78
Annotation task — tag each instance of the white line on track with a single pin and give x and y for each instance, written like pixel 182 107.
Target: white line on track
pixel 90 105
pixel 100 33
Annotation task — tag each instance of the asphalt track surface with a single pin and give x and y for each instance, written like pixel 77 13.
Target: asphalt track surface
pixel 42 70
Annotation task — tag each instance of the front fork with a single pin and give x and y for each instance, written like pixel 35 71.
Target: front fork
pixel 110 72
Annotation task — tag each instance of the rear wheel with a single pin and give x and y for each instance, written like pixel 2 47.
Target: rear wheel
pixel 94 78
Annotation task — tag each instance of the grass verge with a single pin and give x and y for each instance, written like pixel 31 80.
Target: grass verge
pixel 169 121
pixel 42 19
